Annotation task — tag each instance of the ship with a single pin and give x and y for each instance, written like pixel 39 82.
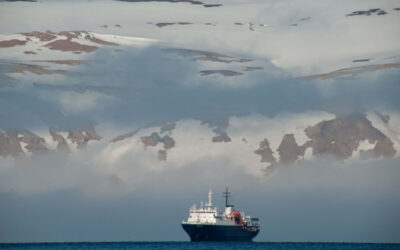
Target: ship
pixel 207 223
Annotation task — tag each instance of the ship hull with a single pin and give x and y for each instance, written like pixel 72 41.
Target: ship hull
pixel 199 232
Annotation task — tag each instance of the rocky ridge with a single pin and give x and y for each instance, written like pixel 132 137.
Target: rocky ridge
pixel 343 137
pixel 19 142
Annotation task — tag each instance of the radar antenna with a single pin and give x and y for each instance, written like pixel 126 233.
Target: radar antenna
pixel 226 195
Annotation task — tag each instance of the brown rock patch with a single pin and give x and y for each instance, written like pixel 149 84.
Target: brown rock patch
pixel 70 34
pixel 79 136
pixel 12 43
pixel 212 5
pixel 160 25
pixel 66 62
pixel 35 144
pixel 124 136
pixel 30 52
pixel 289 151
pixel 342 136
pixel 219 126
pixel 168 142
pixel 222 137
pixel 99 41
pixel 353 71
pixel 67 45
pixel 42 36
pixel 82 136
pixel 220 72
pixel 266 153
pixel 184 23
pixel 62 144
pixel 10 143
pixel 152 141
pixel 253 68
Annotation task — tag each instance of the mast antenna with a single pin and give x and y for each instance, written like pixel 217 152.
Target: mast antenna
pixel 226 195
pixel 209 204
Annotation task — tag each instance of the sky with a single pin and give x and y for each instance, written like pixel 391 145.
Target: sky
pixel 112 192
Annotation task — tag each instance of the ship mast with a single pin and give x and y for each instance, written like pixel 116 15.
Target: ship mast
pixel 226 195
pixel 209 204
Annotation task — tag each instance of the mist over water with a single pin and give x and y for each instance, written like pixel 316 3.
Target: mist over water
pixel 308 202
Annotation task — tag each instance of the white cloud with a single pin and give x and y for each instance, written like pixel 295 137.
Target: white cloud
pixel 78 102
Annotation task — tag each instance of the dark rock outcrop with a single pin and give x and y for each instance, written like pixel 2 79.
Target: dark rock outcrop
pixel 222 72
pixel 79 136
pixel 289 151
pixel 124 136
pixel 11 143
pixel 82 136
pixel 62 144
pixel 12 43
pixel 342 136
pixel 219 126
pixel 266 153
pixel 352 71
pixel 221 137
pixel 152 141
pixel 369 12
pixel 68 45
pixel 42 36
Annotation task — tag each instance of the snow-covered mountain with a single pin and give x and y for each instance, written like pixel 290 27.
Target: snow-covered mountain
pixel 256 143
pixel 258 84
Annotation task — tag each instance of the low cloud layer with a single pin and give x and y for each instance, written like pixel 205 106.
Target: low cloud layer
pixel 142 86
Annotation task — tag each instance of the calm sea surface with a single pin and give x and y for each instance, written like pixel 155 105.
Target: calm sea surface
pixel 197 245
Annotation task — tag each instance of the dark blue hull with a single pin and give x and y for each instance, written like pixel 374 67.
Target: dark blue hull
pixel 219 233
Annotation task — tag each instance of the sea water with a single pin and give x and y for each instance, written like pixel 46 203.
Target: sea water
pixel 198 245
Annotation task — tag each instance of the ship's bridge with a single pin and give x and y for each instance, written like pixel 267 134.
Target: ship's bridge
pixel 204 214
